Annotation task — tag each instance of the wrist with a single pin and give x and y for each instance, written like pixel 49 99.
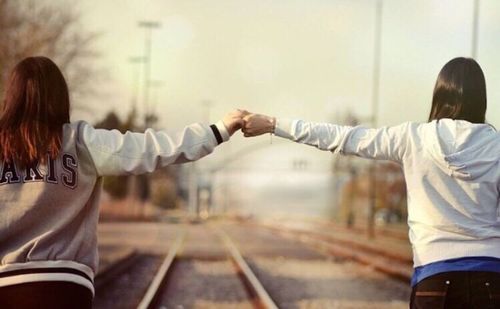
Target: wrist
pixel 272 124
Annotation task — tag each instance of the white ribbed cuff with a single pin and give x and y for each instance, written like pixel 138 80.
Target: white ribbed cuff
pixel 223 131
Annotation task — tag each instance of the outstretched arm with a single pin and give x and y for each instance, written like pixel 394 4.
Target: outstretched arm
pixel 388 143
pixel 114 153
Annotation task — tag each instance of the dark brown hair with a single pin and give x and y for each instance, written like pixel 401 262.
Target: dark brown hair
pixel 36 106
pixel 460 92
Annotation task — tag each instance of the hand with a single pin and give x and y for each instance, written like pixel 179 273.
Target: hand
pixel 233 121
pixel 256 124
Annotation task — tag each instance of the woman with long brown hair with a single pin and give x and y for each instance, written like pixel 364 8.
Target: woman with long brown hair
pixel 50 181
pixel 452 171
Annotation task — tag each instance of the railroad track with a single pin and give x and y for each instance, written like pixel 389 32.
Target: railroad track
pixel 115 269
pixel 257 294
pixel 123 283
pixel 393 265
pixel 204 268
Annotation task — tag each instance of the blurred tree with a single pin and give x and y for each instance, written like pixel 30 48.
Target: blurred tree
pixel 164 188
pixel 353 194
pixel 116 186
pixel 29 28
pixel 111 121
pixel 390 195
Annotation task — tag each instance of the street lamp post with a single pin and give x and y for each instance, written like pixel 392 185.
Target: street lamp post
pixel 193 188
pixel 194 199
pixel 148 26
pixel 156 85
pixel 475 29
pixel 132 181
pixel 136 80
pixel 207 105
pixel 375 102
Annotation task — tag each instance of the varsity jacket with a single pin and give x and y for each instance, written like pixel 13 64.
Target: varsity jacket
pixel 49 212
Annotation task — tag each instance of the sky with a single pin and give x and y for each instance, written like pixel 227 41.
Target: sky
pixel 310 59
pixel 307 59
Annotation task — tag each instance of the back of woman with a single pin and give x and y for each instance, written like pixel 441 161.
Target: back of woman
pixel 49 214
pixel 452 171
pixel 50 181
pixel 44 233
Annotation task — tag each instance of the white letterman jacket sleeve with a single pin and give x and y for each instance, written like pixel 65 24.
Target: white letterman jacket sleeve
pixel 387 143
pixel 115 153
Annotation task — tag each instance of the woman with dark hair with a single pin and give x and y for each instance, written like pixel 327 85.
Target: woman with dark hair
pixel 50 181
pixel 452 171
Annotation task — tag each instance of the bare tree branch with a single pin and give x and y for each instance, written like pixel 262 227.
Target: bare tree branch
pixel 30 29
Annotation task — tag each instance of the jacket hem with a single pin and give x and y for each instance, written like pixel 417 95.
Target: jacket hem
pixel 36 271
pixel 44 277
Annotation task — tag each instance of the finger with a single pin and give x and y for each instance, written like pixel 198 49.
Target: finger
pixel 243 111
pixel 241 123
pixel 237 126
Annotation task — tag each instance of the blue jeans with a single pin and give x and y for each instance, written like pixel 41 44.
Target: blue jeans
pixel 458 290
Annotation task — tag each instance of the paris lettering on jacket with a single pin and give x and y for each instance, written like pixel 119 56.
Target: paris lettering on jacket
pixel 63 169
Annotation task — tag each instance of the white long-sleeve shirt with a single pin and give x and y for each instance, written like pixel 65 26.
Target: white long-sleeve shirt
pixel 452 173
pixel 49 212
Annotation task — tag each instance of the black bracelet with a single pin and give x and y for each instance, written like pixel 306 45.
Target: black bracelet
pixel 218 137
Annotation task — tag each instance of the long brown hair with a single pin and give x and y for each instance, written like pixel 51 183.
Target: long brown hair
pixel 36 106
pixel 460 92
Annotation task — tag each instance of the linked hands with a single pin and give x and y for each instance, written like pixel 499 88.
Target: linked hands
pixel 250 124
pixel 234 121
pixel 257 124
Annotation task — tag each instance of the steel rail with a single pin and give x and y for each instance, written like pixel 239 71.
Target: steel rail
pixel 154 287
pixel 264 298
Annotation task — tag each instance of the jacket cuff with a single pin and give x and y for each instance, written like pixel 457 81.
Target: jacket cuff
pixel 284 128
pixel 220 132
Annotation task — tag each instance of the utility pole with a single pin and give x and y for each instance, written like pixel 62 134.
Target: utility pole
pixel 351 169
pixel 203 210
pixel 475 29
pixel 132 180
pixel 135 61
pixel 156 85
pixel 193 190
pixel 148 26
pixel 148 42
pixel 207 105
pixel 375 102
pixel 193 198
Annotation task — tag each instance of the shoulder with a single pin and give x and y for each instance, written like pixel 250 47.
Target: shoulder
pixel 76 131
pixel 413 128
pixel 72 131
pixel 406 129
pixel 410 133
pixel 76 126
